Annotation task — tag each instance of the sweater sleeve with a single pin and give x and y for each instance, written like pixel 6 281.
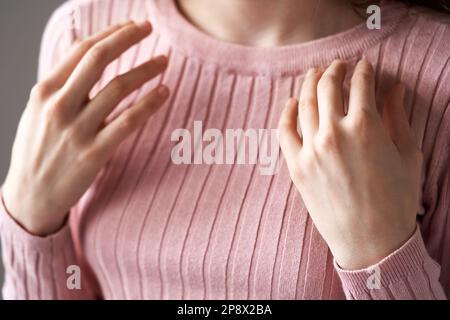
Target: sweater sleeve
pixel 420 269
pixel 39 268
pixel 44 267
pixel 408 273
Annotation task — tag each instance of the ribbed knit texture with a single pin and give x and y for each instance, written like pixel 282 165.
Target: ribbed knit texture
pixel 149 229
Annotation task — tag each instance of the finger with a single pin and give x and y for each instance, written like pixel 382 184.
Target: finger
pixel 118 89
pixel 308 113
pixel 329 93
pixel 60 75
pixel 92 65
pixel 362 90
pixel 396 120
pixel 130 120
pixel 290 141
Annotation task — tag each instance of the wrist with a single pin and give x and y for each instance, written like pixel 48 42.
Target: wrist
pixel 27 213
pixel 370 251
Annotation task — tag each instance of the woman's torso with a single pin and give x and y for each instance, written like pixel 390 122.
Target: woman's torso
pixel 152 229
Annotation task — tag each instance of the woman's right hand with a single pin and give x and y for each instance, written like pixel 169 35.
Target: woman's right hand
pixel 63 139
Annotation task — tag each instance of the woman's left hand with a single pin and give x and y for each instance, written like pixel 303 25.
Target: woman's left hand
pixel 358 173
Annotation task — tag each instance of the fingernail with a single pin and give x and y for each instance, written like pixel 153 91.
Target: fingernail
pixel 312 71
pixel 144 25
pixel 163 91
pixel 161 60
pixel 364 60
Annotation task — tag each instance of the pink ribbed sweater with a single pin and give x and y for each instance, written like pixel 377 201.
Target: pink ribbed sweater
pixel 149 229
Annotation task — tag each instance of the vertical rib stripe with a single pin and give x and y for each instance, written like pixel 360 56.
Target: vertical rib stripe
pixel 140 241
pixel 222 196
pixel 161 246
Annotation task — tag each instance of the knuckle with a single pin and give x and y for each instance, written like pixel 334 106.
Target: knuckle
pixel 98 54
pixel 53 112
pixel 119 86
pixel 307 102
pixel 72 136
pixel 41 90
pixel 328 81
pixel 89 155
pixel 128 122
pixel 69 135
pixel 361 126
pixel 359 123
pixel 327 140
pixel 84 45
pixel 58 104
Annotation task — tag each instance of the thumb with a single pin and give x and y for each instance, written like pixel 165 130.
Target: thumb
pixel 396 121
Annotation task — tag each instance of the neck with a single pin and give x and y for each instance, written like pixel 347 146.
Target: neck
pixel 267 23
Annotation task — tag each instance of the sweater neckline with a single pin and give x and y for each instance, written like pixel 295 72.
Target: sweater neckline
pixel 272 61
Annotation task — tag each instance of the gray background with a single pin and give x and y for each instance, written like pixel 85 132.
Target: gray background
pixel 21 25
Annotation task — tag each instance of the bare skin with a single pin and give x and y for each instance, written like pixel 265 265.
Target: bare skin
pixel 63 141
pixel 268 23
pixel 358 173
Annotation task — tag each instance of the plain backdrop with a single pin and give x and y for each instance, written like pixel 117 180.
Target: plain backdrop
pixel 21 25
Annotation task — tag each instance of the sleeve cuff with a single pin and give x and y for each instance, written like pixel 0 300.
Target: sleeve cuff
pixel 405 261
pixel 13 231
